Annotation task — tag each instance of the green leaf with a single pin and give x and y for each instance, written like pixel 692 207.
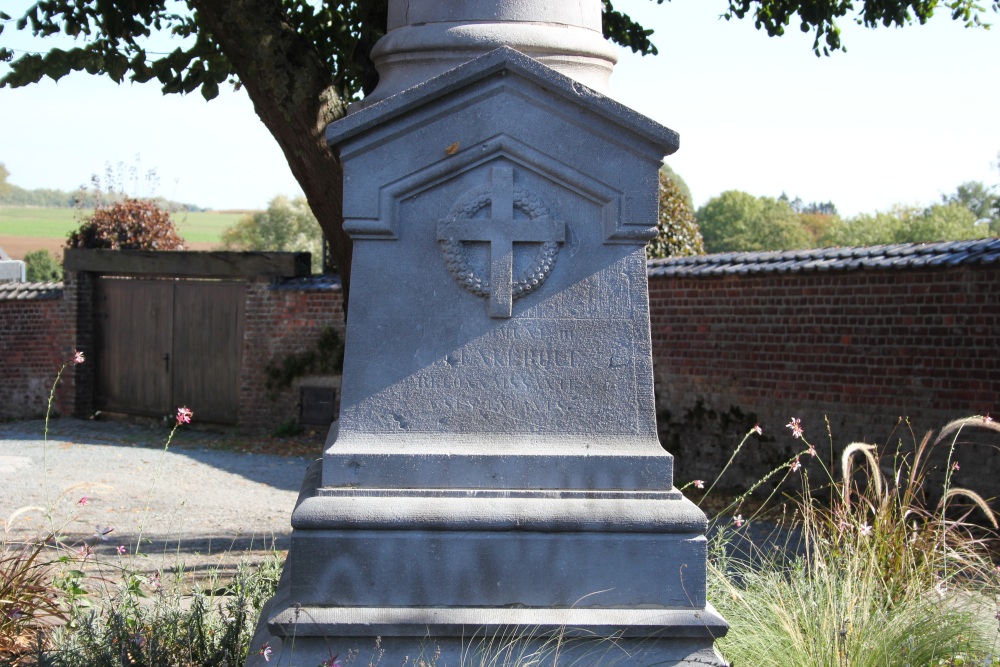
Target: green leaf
pixel 209 90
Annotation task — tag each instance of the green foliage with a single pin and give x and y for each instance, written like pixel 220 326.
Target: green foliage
pixel 41 266
pixel 908 224
pixel 130 224
pixel 142 621
pixel 50 198
pixel 325 358
pixel 115 37
pixel 4 175
pixel 881 577
pixel 982 200
pixel 736 221
pixel 621 29
pixel 820 16
pixel 115 40
pixel 678 229
pixel 678 183
pixel 18 196
pixel 286 225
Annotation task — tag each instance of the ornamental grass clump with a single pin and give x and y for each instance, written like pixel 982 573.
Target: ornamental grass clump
pixel 878 572
pixel 29 602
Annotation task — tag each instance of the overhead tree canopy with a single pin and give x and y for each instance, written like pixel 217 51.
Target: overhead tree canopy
pixel 301 62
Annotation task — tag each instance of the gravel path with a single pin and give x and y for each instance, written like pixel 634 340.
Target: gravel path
pixel 210 505
pixel 207 506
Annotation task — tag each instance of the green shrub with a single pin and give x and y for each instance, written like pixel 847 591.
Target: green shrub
pixel 143 621
pixel 41 266
pixel 677 229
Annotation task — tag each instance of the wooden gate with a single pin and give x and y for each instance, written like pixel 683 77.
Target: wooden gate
pixel 165 343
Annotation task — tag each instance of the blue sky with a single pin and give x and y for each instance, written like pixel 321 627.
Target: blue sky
pixel 904 116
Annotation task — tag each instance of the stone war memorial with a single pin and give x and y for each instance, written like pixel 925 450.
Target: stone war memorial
pixel 494 491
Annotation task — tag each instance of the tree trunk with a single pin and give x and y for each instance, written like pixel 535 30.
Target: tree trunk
pixel 293 94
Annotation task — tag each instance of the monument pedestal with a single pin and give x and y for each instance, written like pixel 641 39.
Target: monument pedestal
pixel 494 488
pixel 470 576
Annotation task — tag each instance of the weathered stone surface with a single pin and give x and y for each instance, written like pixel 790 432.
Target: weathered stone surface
pixel 495 470
pixel 520 362
pixel 427 38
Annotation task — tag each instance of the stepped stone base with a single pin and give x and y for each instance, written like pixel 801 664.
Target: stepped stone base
pixel 597 578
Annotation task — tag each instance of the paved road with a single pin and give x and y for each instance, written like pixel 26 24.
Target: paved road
pixel 204 504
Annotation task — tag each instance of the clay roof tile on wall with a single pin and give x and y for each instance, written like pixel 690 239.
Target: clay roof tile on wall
pixel 30 291
pixel 897 256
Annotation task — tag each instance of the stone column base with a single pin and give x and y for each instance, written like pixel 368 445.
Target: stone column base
pixel 482 578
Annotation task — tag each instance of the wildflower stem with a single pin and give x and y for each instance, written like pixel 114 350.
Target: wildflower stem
pixel 152 485
pixel 726 467
pixel 45 444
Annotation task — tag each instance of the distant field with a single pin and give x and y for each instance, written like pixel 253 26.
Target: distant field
pixel 57 223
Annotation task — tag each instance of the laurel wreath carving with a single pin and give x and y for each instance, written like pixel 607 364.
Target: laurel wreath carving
pixel 457 262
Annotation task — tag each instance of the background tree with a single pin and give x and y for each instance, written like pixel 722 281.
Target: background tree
pixel 40 266
pixel 982 200
pixel 286 225
pixel 909 224
pixel 943 222
pixel 4 175
pixel 301 62
pixel 129 224
pixel 736 221
pixel 679 235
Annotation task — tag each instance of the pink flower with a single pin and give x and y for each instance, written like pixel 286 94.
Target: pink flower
pixel 865 529
pixel 812 451
pixel 78 357
pixel 738 520
pixel 955 467
pixel 184 415
pixel 332 662
pixel 699 483
pixel 265 651
pixel 987 419
pixel 796 465
pixel 757 429
pixel 83 501
pixel 85 551
pixel 121 550
pixel 796 427
pixel 101 532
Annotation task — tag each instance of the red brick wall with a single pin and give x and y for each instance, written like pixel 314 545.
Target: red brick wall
pixel 859 348
pixel 280 322
pixel 36 339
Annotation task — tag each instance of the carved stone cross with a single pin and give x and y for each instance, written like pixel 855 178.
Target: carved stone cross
pixel 502 231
